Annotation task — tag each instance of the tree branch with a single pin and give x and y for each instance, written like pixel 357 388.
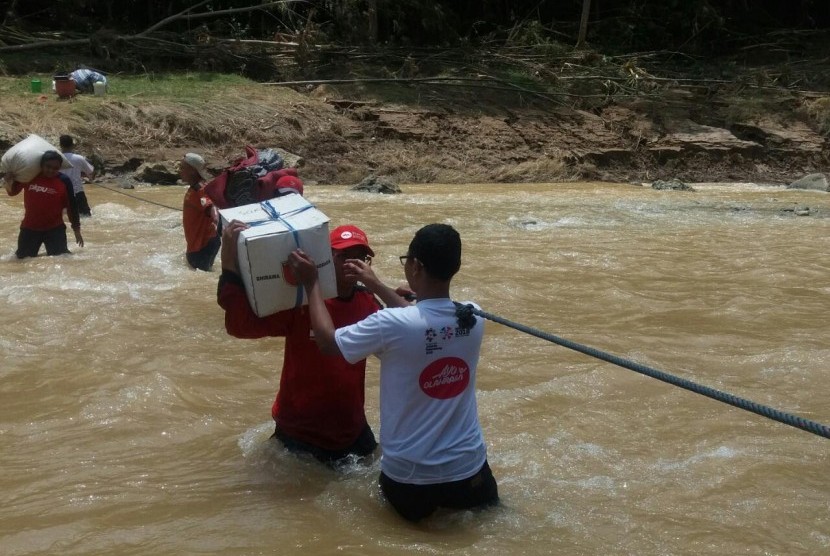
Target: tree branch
pixel 280 45
pixel 379 80
pixel 10 15
pixel 448 81
pixel 239 10
pixel 43 44
pixel 181 15
pixel 583 23
pixel 174 17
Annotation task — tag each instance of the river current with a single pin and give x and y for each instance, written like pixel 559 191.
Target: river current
pixel 131 423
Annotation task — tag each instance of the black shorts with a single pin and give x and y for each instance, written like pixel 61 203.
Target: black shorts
pixel 415 502
pixel 82 204
pixel 29 242
pixel 363 446
pixel 204 257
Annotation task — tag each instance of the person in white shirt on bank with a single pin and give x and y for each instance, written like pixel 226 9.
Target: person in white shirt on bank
pixel 80 168
pixel 432 448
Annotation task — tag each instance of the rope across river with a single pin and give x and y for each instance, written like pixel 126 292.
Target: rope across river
pixel 763 410
pixel 135 197
pixel 725 397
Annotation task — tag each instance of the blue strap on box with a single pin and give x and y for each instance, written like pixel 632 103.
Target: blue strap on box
pixel 274 216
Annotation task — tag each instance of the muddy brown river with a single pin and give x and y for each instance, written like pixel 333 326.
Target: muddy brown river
pixel 131 423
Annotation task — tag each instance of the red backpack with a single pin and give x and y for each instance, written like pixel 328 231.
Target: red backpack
pixel 239 185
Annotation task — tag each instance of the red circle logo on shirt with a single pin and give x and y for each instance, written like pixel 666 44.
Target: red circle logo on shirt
pixel 445 378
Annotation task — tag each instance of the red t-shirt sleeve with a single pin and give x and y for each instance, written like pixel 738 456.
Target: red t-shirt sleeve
pixel 240 319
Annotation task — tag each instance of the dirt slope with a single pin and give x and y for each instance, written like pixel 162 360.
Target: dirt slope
pixel 444 134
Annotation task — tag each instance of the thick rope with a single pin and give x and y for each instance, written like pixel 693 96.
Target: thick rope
pixel 748 405
pixel 135 197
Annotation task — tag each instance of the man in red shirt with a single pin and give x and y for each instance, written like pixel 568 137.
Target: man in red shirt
pixel 44 200
pixel 199 217
pixel 319 405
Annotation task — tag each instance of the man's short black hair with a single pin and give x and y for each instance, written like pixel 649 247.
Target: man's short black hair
pixel 438 247
pixel 49 156
pixel 66 141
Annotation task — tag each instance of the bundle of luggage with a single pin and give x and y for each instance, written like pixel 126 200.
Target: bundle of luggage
pixel 257 177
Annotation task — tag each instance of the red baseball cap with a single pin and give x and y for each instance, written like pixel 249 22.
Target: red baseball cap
pixel 289 184
pixel 343 237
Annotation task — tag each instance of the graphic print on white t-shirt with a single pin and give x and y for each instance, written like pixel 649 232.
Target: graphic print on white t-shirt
pixel 445 378
pixel 430 336
pixel 434 338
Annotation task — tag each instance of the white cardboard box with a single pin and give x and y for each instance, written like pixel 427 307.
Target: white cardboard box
pixel 278 226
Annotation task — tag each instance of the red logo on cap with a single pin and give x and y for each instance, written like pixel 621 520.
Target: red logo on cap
pixel 346 235
pixel 445 378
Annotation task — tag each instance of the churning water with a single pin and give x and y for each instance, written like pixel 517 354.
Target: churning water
pixel 131 423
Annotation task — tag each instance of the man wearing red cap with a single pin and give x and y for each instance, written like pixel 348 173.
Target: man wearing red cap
pixel 319 405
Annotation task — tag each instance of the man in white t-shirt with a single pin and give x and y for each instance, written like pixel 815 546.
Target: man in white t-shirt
pixel 80 168
pixel 432 448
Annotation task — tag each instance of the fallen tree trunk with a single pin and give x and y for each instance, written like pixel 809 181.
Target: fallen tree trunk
pixel 184 14
pixel 43 44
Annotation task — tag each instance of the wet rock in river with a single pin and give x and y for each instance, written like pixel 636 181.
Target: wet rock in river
pixel 529 222
pixel 799 210
pixel 158 173
pixel 814 182
pixel 673 185
pixel 125 182
pixel 374 184
pixel 129 165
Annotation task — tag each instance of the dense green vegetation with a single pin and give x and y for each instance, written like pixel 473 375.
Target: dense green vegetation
pixel 632 48
pixel 615 25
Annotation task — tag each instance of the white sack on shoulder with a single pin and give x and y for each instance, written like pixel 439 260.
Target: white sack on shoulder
pixel 22 161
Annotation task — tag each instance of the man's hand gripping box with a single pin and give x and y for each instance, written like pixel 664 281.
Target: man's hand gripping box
pixel 277 227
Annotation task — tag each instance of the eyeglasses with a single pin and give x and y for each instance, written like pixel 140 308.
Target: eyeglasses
pixel 404 258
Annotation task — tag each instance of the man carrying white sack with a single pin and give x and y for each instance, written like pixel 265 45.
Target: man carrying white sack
pixel 44 200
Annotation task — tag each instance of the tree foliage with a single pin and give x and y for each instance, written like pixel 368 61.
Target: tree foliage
pixel 617 24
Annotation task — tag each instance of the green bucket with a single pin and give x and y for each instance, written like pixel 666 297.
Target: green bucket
pixel 36 85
